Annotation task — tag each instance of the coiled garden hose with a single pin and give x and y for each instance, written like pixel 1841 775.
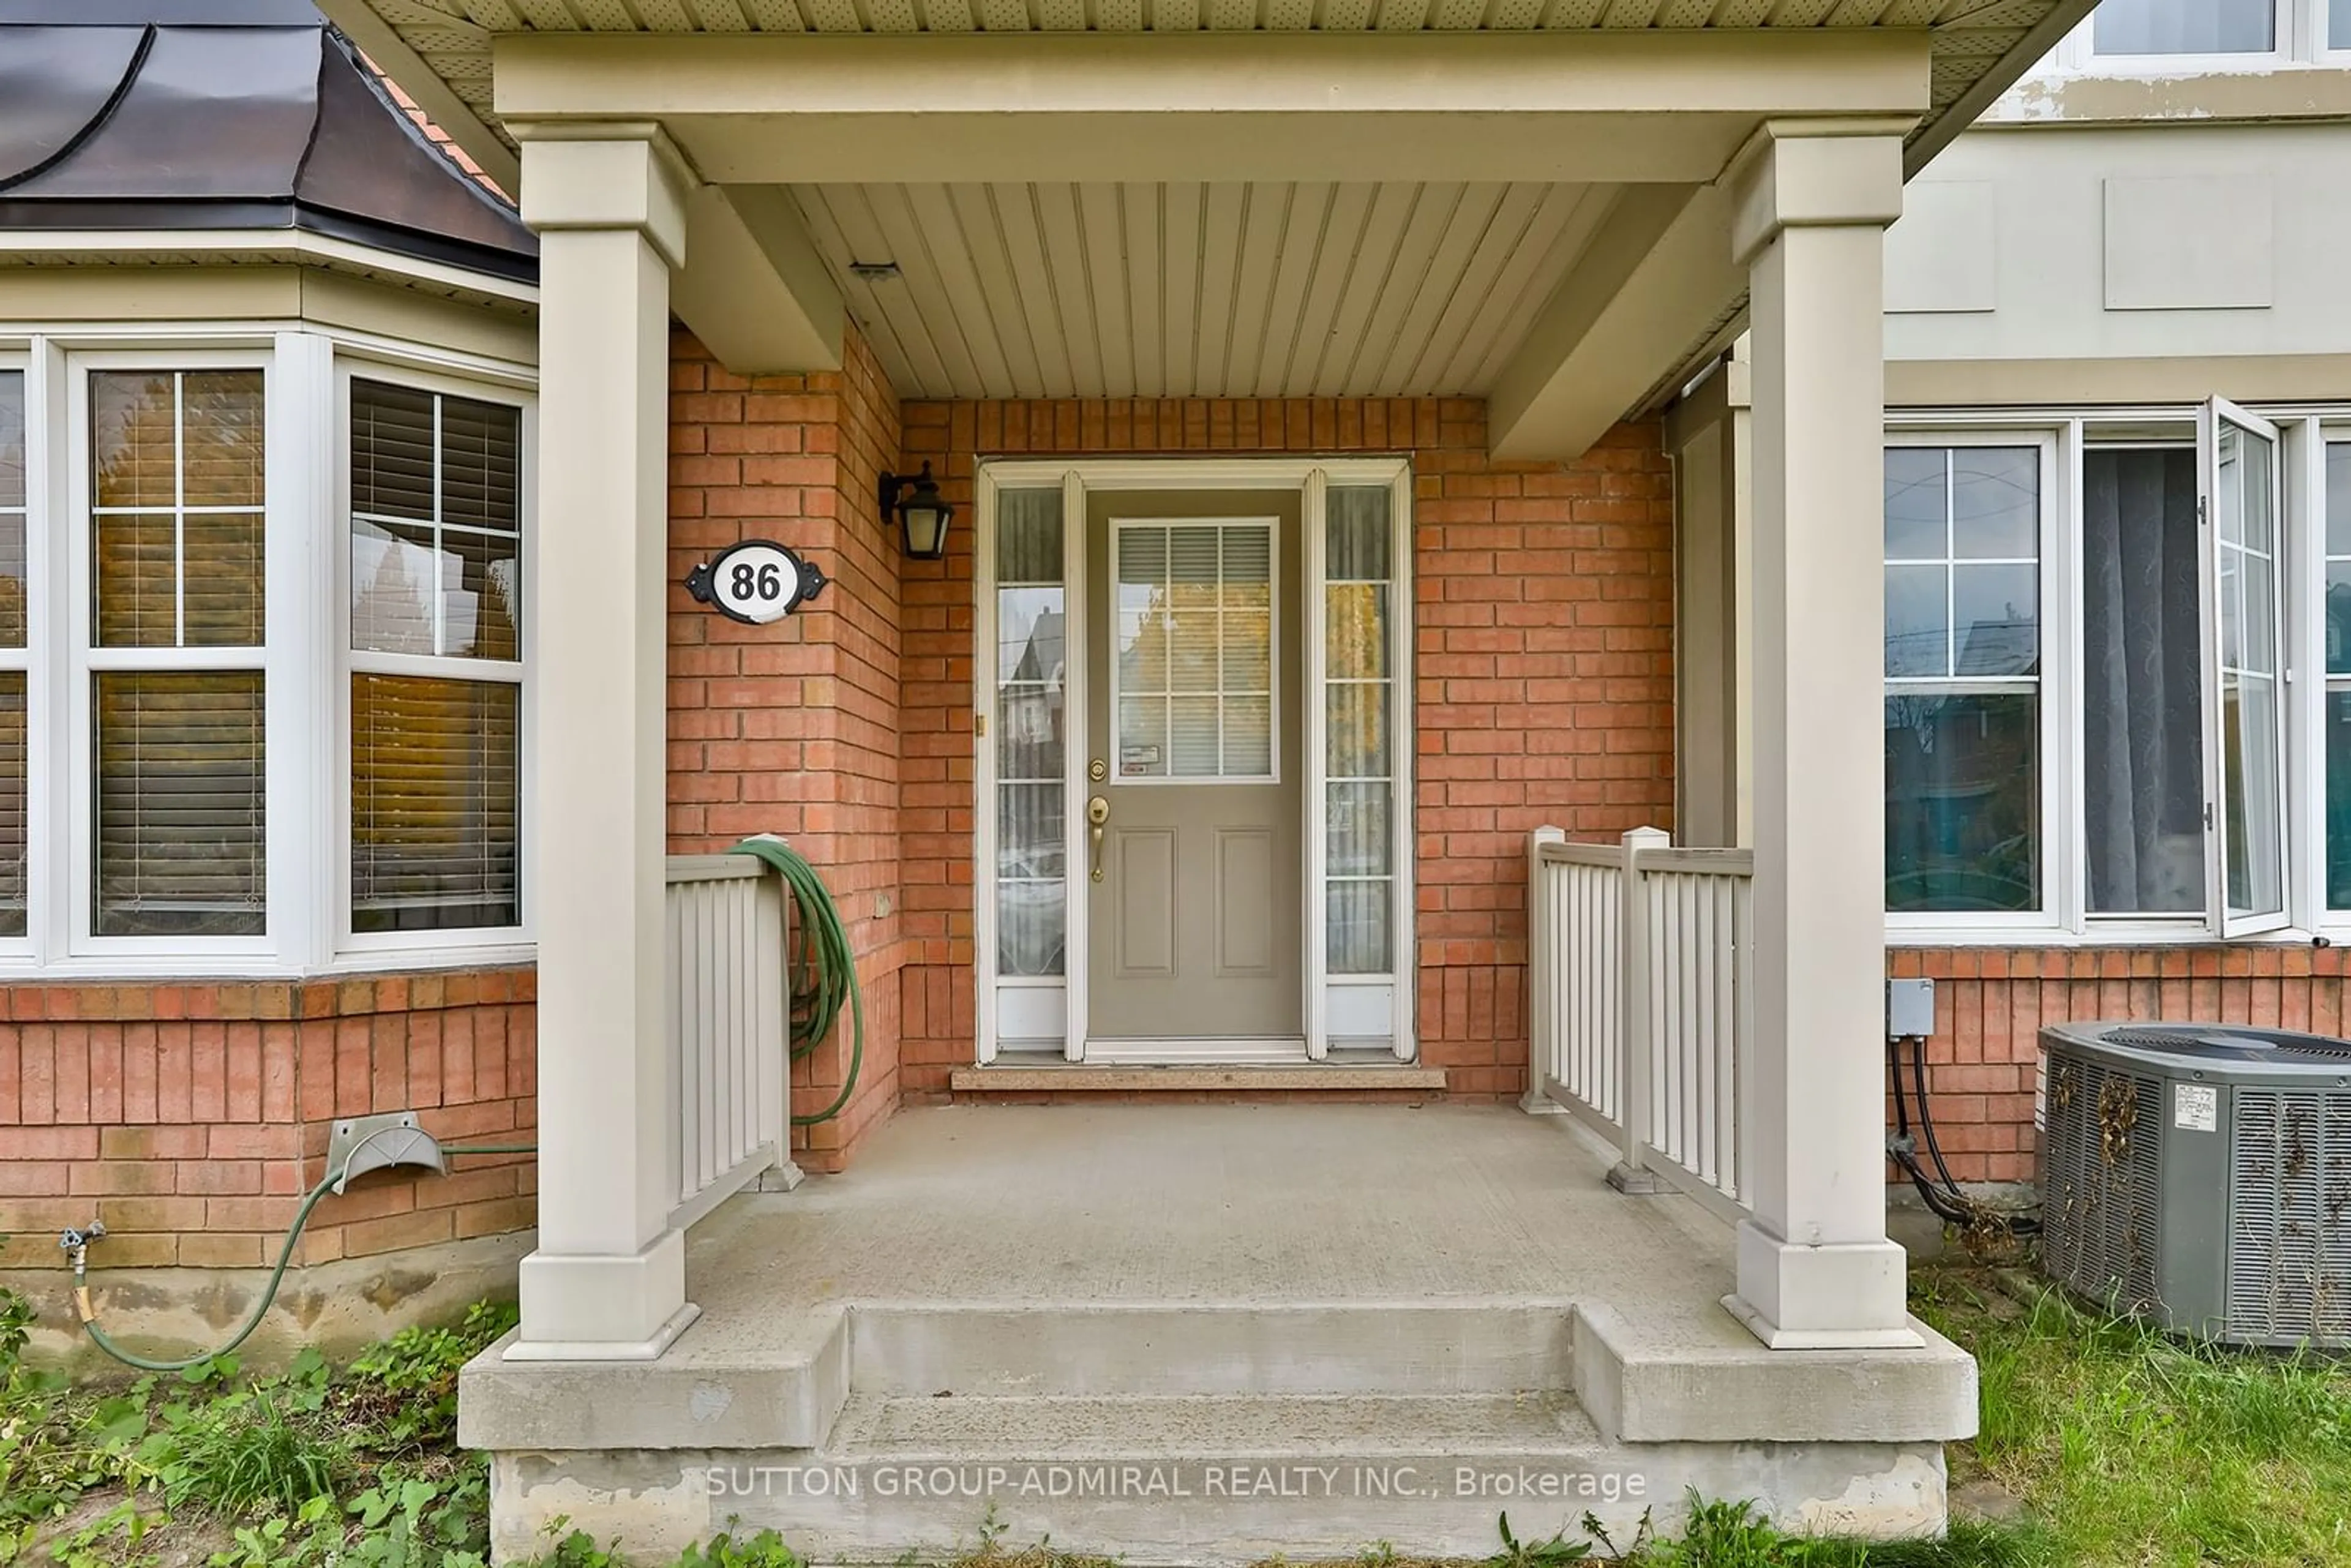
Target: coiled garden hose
pixel 76 1246
pixel 819 971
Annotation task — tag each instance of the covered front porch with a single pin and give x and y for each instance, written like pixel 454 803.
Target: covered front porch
pixel 1522 248
pixel 1212 1333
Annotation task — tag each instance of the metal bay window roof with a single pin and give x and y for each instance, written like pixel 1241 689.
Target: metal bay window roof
pixel 226 114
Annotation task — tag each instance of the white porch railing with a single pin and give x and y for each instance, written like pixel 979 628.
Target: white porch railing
pixel 729 1028
pixel 1640 962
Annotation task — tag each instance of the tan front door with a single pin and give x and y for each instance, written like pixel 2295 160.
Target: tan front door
pixel 1193 763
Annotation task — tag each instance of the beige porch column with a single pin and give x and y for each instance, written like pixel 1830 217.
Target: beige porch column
pixel 607 1280
pixel 1811 202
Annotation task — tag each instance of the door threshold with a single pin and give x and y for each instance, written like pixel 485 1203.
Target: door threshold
pixel 1126 1078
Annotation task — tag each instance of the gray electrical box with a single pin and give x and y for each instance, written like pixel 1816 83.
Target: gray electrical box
pixel 1909 1008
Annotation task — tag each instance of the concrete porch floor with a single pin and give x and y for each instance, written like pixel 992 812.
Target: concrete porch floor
pixel 991 1287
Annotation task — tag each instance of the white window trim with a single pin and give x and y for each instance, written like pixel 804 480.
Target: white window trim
pixel 2303 428
pixel 2056 689
pixel 281 474
pixel 2296 27
pixel 349 660
pixel 26 661
pixel 308 769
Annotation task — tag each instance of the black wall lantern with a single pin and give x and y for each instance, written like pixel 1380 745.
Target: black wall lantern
pixel 921 516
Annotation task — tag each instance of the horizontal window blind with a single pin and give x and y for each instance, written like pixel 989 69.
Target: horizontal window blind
pixel 436 803
pixel 436 547
pixel 436 571
pixel 12 508
pixel 12 804
pixel 179 803
pixel 179 786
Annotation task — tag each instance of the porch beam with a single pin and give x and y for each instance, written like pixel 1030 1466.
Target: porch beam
pixel 1812 202
pixel 1646 106
pixel 1657 278
pixel 755 290
pixel 608 1278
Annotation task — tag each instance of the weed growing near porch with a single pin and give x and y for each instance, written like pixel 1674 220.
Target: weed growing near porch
pixel 2138 1450
pixel 212 1470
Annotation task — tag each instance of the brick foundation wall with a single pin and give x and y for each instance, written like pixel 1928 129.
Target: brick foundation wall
pixel 794 728
pixel 1991 1002
pixel 191 1118
pixel 1544 643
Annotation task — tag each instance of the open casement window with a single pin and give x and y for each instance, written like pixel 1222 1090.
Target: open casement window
pixel 2244 705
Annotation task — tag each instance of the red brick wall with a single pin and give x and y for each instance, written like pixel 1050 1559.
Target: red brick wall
pixel 1991 1003
pixel 794 728
pixel 191 1118
pixel 1544 643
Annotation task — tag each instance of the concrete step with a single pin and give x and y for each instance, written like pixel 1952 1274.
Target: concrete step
pixel 1429 1349
pixel 877 1429
pixel 1224 1479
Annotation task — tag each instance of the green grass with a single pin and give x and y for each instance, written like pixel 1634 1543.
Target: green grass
pixel 2137 1451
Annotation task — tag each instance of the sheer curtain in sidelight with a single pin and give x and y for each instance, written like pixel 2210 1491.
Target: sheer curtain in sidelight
pixel 1359 687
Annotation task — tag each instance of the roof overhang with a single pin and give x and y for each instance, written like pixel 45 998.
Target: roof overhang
pixel 964 150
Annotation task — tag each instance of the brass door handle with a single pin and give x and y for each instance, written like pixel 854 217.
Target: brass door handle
pixel 1097 813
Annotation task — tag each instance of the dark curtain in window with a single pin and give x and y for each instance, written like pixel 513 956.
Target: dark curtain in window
pixel 2143 734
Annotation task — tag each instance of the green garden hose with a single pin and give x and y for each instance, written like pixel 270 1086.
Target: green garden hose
pixel 78 1246
pixel 819 971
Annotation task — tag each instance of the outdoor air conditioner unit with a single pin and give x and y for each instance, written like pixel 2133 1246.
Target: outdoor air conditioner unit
pixel 2200 1177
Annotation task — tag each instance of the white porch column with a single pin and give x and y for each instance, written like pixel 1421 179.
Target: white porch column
pixel 1811 202
pixel 607 1280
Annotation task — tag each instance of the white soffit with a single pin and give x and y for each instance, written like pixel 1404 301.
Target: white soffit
pixel 1272 289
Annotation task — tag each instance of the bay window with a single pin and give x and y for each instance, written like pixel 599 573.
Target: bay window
pixel 2091 630
pixel 262 658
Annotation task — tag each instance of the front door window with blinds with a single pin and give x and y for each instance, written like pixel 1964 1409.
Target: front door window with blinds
pixel 176 655
pixel 1194 677
pixel 436 660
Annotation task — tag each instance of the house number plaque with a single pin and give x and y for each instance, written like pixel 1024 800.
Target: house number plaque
pixel 757 582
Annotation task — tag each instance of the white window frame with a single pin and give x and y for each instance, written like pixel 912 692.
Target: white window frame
pixel 281 708
pixel 2295 29
pixel 2227 922
pixel 26 661
pixel 2304 431
pixel 306 528
pixel 2057 692
pixel 466 942
pixel 2307 439
pixel 2325 48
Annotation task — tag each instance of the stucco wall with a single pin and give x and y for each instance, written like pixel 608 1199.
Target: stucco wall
pixel 2042 245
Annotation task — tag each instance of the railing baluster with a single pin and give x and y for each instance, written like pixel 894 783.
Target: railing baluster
pixel 728 1061
pixel 1640 970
